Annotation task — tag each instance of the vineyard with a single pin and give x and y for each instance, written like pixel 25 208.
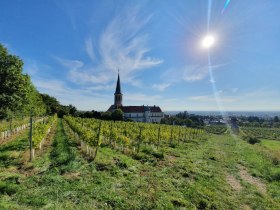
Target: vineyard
pixel 262 133
pixel 95 164
pixel 128 136
pixel 216 129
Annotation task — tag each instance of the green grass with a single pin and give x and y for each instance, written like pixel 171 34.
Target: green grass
pixel 190 175
pixel 271 144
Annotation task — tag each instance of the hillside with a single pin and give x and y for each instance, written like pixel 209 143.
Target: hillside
pixel 212 172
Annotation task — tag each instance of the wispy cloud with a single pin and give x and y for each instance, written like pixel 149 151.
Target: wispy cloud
pixel 243 100
pixel 161 87
pixel 89 49
pixel 189 73
pixel 122 45
pixel 83 99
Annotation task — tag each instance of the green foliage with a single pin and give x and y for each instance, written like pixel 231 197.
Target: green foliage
pixel 17 94
pixel 253 140
pixel 117 115
pixel 183 118
pixel 8 188
pixel 187 177
pixel 40 130
pixel 265 133
pixel 52 105
pixel 216 129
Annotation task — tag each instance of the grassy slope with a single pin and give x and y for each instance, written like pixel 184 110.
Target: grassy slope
pixel 191 175
pixel 271 144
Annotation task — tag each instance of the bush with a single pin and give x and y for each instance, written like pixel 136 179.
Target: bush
pixel 252 139
pixel 8 188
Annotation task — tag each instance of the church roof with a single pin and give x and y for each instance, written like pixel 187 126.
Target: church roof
pixel 137 109
pixel 118 86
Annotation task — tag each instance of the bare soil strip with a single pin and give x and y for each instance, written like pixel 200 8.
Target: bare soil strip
pixel 234 183
pixel 244 174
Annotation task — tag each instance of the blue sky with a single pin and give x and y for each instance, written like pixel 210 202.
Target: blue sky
pixel 72 50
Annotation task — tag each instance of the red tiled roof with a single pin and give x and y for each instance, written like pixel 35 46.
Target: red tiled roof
pixel 137 109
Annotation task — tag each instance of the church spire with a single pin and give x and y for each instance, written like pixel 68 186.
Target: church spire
pixel 118 93
pixel 118 86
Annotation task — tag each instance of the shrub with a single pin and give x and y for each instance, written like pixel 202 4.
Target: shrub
pixel 253 140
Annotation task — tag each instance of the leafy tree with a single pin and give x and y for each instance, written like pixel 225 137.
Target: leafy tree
pixel 117 115
pixel 276 125
pixel 17 94
pixel 106 115
pixel 52 105
pixel 96 114
pixel 72 110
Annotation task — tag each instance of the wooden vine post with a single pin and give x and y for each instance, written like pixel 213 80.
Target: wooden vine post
pixel 11 123
pixel 30 140
pixel 185 137
pixel 139 140
pixel 158 140
pixel 98 139
pixel 179 136
pixel 171 136
pixel 111 133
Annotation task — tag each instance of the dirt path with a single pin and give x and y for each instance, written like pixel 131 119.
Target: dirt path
pixel 234 183
pixel 246 176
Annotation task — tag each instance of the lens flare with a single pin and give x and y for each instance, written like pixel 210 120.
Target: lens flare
pixel 225 6
pixel 208 41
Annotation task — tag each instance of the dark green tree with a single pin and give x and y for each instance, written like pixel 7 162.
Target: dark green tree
pixel 17 94
pixel 52 105
pixel 117 115
pixel 106 115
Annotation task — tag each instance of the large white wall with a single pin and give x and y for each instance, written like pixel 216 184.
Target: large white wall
pixel 140 116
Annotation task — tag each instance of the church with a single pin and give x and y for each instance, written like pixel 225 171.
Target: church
pixel 136 113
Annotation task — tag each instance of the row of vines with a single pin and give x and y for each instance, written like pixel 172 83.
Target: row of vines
pixel 8 128
pixel 41 129
pixel 262 133
pixel 127 136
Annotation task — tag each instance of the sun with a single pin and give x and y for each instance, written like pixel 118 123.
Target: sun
pixel 208 41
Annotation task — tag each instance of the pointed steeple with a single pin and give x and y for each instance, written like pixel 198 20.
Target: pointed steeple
pixel 118 86
pixel 118 93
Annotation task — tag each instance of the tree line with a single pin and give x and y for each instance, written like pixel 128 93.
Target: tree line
pixel 18 96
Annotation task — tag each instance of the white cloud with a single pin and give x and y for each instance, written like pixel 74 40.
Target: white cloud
pixel 189 73
pixel 121 46
pixel 83 99
pixel 255 100
pixel 143 98
pixel 161 87
pixel 89 49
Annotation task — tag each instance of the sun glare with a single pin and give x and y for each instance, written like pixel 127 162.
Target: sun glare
pixel 208 41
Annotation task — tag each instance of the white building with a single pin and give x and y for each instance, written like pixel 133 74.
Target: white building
pixel 136 113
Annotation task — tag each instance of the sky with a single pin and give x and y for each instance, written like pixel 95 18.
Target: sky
pixel 73 49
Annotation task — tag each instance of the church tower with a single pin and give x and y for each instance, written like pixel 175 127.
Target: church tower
pixel 118 94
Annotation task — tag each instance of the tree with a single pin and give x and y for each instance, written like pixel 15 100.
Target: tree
pixel 276 119
pixel 17 93
pixel 52 105
pixel 276 125
pixel 117 115
pixel 72 110
pixel 106 115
